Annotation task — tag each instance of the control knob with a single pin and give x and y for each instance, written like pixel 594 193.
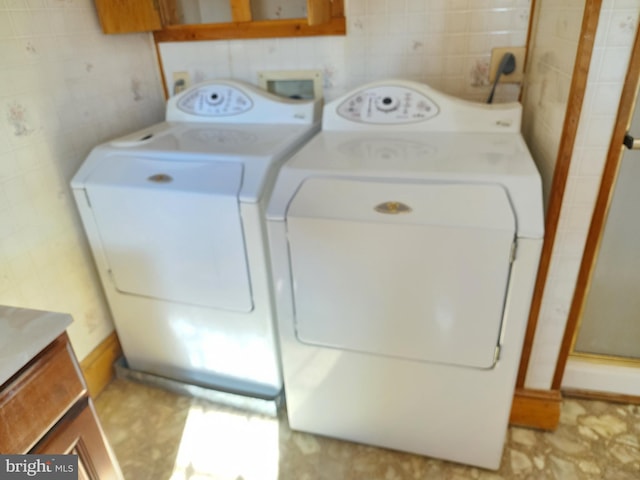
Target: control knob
pixel 387 104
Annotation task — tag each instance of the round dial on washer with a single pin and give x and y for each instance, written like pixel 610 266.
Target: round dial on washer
pixel 215 98
pixel 215 101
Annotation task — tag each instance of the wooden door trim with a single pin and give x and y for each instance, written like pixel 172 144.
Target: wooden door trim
pixel 602 396
pixel 601 210
pixel 561 173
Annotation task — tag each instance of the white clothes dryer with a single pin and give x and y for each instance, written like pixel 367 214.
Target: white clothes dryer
pixel 405 239
pixel 174 214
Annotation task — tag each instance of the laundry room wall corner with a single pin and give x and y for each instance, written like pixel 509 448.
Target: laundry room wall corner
pixel 64 87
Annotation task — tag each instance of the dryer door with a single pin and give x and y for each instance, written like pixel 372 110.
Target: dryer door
pixel 418 271
pixel 172 230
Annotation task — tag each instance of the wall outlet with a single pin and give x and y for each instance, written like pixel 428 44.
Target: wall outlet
pixel 180 82
pixel 496 55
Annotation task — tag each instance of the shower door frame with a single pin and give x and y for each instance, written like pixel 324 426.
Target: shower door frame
pixel 604 365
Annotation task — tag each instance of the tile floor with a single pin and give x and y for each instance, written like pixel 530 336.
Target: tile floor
pixel 160 435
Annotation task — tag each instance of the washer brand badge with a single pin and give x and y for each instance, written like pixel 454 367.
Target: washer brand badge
pixel 51 467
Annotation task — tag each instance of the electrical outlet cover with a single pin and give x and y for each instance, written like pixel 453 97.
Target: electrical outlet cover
pixel 496 55
pixel 181 81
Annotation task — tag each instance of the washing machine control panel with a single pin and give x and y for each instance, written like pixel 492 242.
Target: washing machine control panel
pixel 215 101
pixel 388 105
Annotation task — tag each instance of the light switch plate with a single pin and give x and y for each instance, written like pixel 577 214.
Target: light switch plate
pixel 496 55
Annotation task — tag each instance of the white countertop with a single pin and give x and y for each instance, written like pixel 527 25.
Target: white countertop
pixel 24 333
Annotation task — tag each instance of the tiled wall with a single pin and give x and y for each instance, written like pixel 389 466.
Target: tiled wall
pixel 552 55
pixel 609 64
pixel 64 87
pixel 446 43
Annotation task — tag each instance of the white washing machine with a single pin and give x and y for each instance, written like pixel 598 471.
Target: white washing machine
pixel 175 218
pixel 405 239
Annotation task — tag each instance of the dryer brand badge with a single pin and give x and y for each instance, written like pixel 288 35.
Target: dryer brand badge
pixel 160 178
pixel 392 208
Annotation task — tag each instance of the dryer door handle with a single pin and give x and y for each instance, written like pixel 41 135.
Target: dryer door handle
pixel 392 208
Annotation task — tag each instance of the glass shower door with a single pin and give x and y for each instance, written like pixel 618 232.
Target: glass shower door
pixel 610 323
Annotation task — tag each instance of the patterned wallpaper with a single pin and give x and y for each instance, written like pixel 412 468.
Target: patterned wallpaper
pixel 609 64
pixel 64 87
pixel 445 43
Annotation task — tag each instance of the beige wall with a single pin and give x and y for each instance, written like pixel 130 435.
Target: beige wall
pixel 64 87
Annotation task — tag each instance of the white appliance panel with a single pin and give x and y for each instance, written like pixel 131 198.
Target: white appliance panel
pixel 231 102
pixel 182 255
pixel 172 230
pixel 407 106
pixel 391 237
pixel 413 285
pixel 388 104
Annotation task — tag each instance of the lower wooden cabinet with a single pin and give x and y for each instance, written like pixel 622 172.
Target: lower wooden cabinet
pixel 45 408
pixel 79 433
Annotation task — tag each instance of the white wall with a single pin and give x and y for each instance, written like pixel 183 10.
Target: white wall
pixel 64 87
pixel 609 64
pixel 446 43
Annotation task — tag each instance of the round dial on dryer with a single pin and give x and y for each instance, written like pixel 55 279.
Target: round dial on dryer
pixel 388 104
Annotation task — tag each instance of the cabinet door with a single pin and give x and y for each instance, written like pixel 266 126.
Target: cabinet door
pixel 125 16
pixel 82 435
pixel 33 401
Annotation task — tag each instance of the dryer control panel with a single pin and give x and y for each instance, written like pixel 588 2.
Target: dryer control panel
pixel 215 101
pixel 388 105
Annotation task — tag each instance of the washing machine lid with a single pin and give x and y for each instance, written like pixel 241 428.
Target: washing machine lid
pixel 417 271
pixel 172 230
pixel 229 142
pixel 260 148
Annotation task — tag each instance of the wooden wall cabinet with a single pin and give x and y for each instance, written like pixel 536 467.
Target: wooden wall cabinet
pixel 45 408
pixel 324 17
pixel 127 16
